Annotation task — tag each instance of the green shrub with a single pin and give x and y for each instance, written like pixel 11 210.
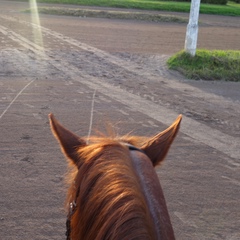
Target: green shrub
pixel 222 2
pixel 236 1
pixel 208 65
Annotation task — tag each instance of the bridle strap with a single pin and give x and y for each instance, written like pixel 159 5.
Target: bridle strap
pixel 72 209
pixel 133 148
pixel 68 227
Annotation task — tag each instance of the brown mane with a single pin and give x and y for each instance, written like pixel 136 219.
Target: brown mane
pixel 106 181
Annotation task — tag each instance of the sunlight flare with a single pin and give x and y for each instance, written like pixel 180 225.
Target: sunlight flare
pixel 37 32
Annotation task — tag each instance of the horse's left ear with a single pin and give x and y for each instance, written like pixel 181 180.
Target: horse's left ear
pixel 156 148
pixel 69 141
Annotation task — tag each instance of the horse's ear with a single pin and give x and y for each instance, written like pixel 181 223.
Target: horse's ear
pixel 69 141
pixel 157 147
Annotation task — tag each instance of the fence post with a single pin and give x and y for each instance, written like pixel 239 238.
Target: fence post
pixel 192 28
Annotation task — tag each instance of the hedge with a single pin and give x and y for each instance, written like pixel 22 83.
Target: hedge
pixel 222 2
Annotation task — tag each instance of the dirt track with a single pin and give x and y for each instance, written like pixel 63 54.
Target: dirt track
pixel 125 62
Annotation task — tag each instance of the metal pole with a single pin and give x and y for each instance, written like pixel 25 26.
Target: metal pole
pixel 192 28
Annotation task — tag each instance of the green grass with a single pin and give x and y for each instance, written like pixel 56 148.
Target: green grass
pixel 232 9
pixel 208 65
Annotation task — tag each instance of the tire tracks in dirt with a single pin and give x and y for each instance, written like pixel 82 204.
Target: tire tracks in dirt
pixel 214 138
pixel 190 94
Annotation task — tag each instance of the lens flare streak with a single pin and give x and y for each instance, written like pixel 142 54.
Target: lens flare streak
pixel 38 38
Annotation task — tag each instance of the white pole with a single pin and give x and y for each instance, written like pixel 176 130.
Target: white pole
pixel 192 28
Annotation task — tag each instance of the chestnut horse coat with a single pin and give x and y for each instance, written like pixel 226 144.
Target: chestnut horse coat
pixel 114 190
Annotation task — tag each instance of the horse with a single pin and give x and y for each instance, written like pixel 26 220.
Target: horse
pixel 114 191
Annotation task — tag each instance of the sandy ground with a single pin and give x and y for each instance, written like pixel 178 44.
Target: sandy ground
pixel 58 66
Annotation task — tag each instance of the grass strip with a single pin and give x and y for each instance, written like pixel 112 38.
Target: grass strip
pixel 208 65
pixel 110 14
pixel 231 9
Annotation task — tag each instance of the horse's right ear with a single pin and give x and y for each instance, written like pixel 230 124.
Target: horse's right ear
pixel 156 148
pixel 69 141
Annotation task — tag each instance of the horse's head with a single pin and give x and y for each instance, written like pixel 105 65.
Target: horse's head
pixel 115 193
